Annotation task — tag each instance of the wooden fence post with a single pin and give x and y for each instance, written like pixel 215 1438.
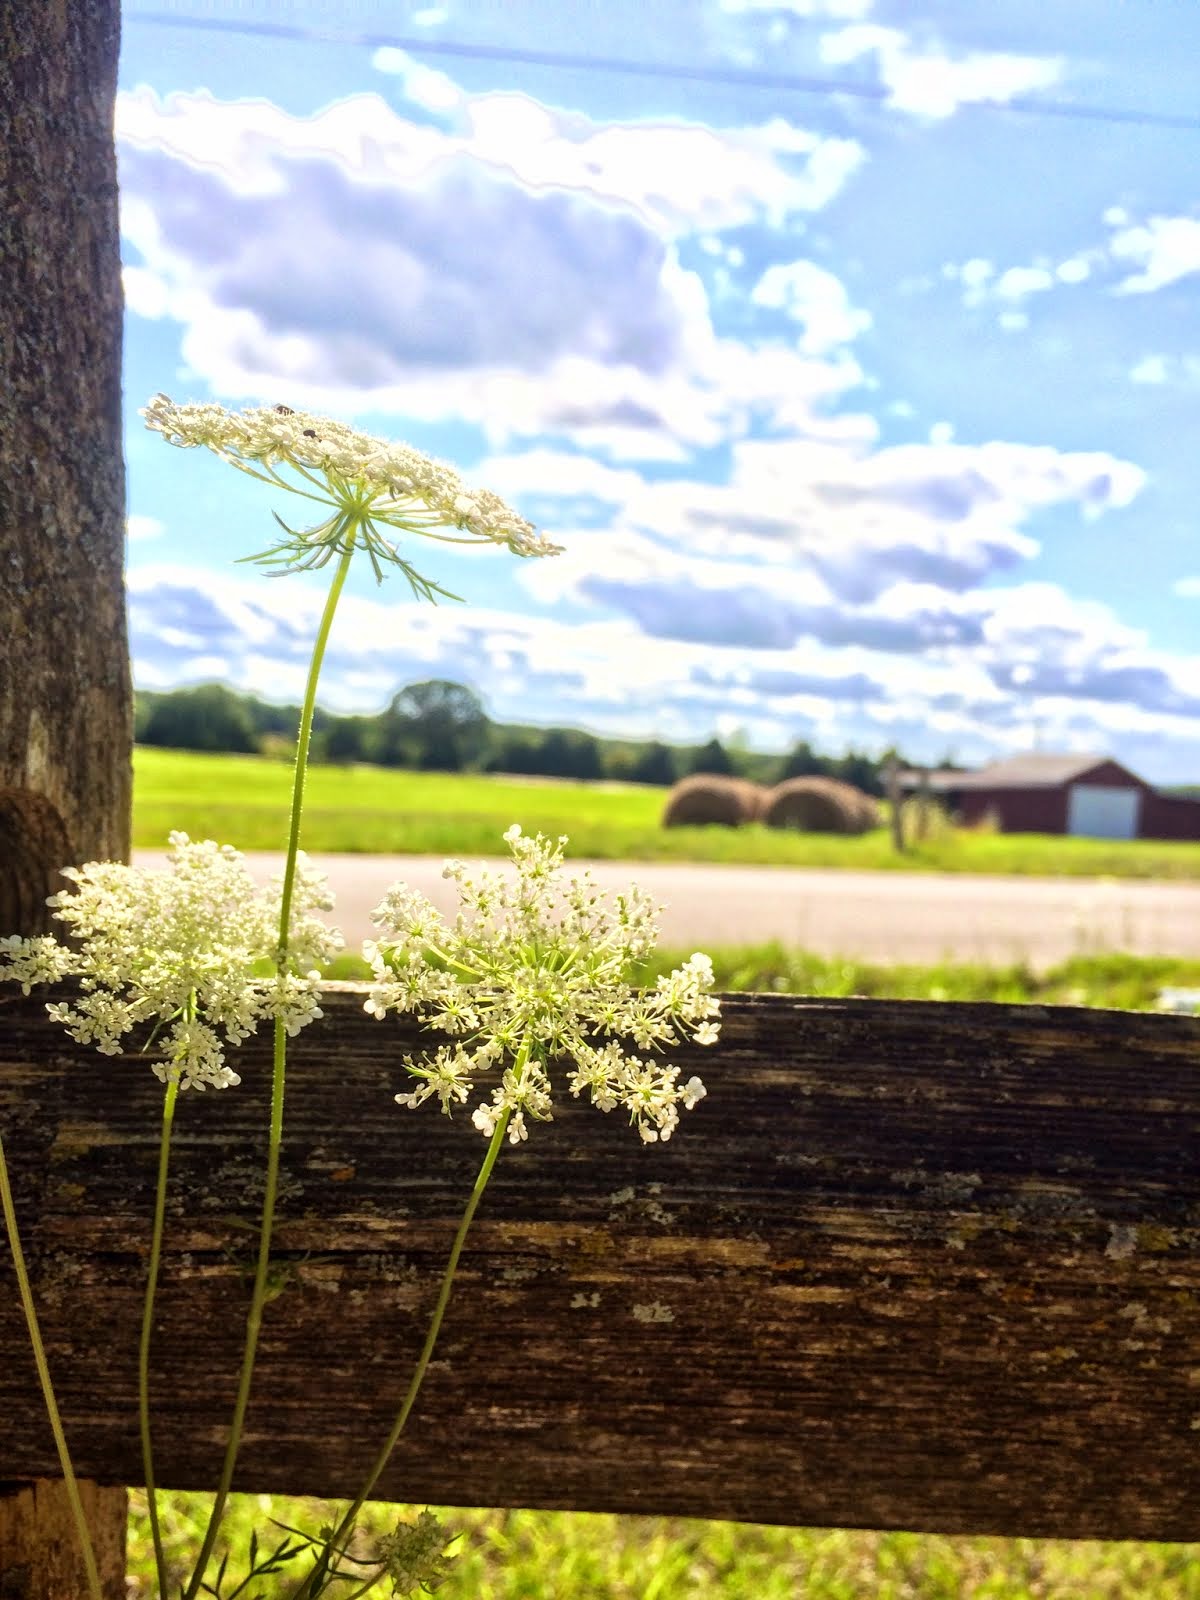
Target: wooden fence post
pixel 65 699
pixel 895 798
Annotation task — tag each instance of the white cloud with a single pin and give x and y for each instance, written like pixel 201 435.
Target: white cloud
pixel 815 298
pixel 1165 249
pixel 929 83
pixel 1018 282
pixel 1150 369
pixel 1188 588
pixel 974 273
pixel 337 260
pixel 1182 371
pixel 677 176
pixel 943 513
pixel 146 293
pixel 141 528
pixel 1029 649
pixel 425 86
pixel 830 539
pixel 983 283
pixel 1162 249
pixel 1075 269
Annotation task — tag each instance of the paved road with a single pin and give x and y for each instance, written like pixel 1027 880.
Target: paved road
pixel 883 916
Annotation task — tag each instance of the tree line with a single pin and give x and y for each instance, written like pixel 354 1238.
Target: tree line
pixel 440 726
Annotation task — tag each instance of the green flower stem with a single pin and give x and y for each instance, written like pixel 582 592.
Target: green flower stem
pixel 302 743
pixel 309 1589
pixel 43 1371
pixel 156 1238
pixel 258 1297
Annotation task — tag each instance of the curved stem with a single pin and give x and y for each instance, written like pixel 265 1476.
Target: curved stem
pixel 156 1238
pixel 258 1298
pixel 303 740
pixel 43 1372
pixel 308 1589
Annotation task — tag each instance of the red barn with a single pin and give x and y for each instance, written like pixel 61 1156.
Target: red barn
pixel 1089 795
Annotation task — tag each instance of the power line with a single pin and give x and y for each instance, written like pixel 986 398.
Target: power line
pixel 725 76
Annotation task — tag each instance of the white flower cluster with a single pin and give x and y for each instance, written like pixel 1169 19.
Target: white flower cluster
pixel 531 972
pixel 388 483
pixel 414 1555
pixel 184 949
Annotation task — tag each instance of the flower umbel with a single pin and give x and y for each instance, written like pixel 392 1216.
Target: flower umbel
pixel 535 971
pixel 366 483
pixel 414 1556
pixel 182 949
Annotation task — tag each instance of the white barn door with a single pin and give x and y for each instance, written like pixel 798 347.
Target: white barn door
pixel 1102 812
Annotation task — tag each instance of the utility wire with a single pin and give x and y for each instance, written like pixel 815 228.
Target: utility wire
pixel 797 83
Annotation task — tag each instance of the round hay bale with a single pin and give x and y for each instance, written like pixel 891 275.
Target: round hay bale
pixel 707 799
pixel 820 805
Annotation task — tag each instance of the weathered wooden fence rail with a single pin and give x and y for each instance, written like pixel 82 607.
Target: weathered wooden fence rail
pixel 909 1265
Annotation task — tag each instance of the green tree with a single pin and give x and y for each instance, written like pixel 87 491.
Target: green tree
pixel 860 770
pixel 655 763
pixel 803 762
pixel 511 751
pixel 568 753
pixel 712 757
pixel 437 725
pixel 210 717
pixel 346 739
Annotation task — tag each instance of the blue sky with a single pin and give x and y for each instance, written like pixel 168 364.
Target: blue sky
pixel 863 418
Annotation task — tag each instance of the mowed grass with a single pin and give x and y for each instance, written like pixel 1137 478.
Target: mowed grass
pixel 243 800
pixel 549 1555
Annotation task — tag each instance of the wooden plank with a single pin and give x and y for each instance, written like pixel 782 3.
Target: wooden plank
pixel 909 1265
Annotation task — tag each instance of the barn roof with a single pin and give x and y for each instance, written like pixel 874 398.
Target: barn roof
pixel 1036 769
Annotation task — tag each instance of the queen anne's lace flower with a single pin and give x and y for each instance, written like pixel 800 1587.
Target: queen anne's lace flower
pixel 414 1555
pixel 533 972
pixel 183 950
pixel 367 482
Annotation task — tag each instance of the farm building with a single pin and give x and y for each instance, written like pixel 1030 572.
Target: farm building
pixel 1091 795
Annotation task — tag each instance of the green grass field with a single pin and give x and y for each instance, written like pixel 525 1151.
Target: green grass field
pixel 547 1555
pixel 554 1555
pixel 242 800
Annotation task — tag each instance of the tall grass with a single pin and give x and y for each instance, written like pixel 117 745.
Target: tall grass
pixel 376 811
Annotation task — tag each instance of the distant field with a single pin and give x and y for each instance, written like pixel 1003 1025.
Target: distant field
pixel 242 800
